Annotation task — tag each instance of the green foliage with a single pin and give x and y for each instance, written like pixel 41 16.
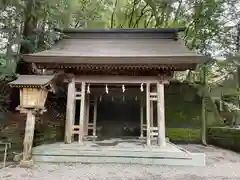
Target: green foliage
pixel 30 25
pixel 183 110
pixel 48 134
pixel 183 134
pixel 7 68
pixel 2 60
pixel 224 137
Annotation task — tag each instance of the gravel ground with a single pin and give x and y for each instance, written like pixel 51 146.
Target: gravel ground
pixel 221 165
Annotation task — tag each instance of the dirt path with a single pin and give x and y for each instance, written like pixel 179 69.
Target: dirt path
pixel 221 165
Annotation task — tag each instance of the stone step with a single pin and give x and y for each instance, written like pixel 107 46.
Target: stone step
pixel 179 155
pixel 117 151
pixel 122 157
pixel 195 160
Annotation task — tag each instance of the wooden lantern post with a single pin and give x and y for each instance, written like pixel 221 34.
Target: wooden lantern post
pixel 33 94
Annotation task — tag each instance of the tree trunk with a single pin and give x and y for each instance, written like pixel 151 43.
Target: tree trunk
pixel 237 75
pixel 29 25
pixel 112 16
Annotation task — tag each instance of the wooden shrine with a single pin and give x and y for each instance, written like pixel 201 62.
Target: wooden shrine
pixel 95 60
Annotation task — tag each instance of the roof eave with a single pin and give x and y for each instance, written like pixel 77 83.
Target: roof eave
pixel 33 58
pixel 127 30
pixel 34 83
pixel 54 63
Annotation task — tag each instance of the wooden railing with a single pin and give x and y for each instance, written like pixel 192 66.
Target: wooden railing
pixel 4 150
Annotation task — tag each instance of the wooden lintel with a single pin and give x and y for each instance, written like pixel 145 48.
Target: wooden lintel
pixel 122 79
pixel 164 81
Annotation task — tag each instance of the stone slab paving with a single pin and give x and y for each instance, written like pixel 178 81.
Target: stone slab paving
pixel 221 165
pixel 109 144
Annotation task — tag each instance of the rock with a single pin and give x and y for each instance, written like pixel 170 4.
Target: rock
pixel 26 163
pixel 18 157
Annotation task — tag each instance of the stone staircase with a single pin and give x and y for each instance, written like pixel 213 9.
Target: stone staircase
pixel 128 153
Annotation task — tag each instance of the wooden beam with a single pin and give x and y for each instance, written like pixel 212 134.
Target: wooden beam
pixel 161 115
pixel 148 113
pixel 116 91
pixel 86 120
pixel 151 115
pixel 21 96
pixel 82 107
pixel 121 79
pixel 28 140
pixel 95 117
pixel 70 112
pixel 141 117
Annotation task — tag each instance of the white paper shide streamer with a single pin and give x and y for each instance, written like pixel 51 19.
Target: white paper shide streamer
pixel 123 88
pixel 88 89
pixel 141 88
pixel 106 89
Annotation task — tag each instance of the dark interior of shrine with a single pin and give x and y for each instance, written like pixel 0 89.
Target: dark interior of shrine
pixel 118 117
pixel 118 113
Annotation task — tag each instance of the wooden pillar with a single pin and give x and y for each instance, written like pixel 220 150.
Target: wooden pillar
pixel 161 115
pixel 148 113
pixel 95 117
pixel 141 117
pixel 86 120
pixel 151 115
pixel 82 107
pixel 70 112
pixel 28 140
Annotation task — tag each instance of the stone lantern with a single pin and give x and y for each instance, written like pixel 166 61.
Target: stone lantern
pixel 33 94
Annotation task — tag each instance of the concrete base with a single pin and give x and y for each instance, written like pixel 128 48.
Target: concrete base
pixel 117 151
pixel 26 163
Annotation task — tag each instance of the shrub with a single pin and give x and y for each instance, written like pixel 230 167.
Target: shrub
pixel 183 134
pixel 224 137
